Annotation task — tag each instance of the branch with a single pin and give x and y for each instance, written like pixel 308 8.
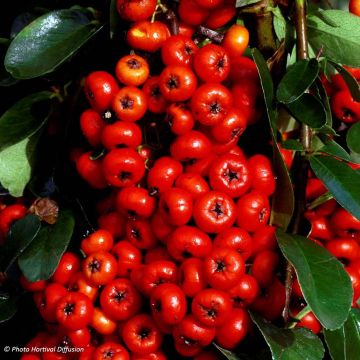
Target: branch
pixel 301 166
pixel 213 35
pixel 259 18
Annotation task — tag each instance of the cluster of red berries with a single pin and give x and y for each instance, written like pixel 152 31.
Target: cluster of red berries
pixel 339 232
pixel 184 246
pixel 343 105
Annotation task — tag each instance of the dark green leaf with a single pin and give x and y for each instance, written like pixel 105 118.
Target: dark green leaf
pixel 324 17
pixel 20 236
pixel 241 3
pixel 267 86
pixel 290 344
pixel 298 78
pixel 342 181
pixel 283 199
pixel 320 200
pixel 353 138
pixel 341 43
pixel 227 353
pixel 24 118
pixel 114 18
pixel 344 343
pixel 292 144
pixel 47 42
pixel 327 128
pixel 279 23
pixel 16 164
pixel 350 81
pixel 40 259
pixel 5 78
pixel 333 148
pixel 308 110
pixel 321 276
pixel 355 157
pixel 7 308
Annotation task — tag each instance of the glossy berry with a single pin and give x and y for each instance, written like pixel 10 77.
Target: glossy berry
pixel 129 104
pixel 168 302
pixel 120 300
pixel 214 212
pixel 100 88
pixel 135 10
pixel 177 83
pixel 210 103
pixel 211 307
pixel 91 125
pixel 147 36
pixel 74 311
pixel 236 40
pixel 190 336
pixel 123 167
pixel 178 50
pixel 223 268
pixel 234 329
pixel 99 267
pixel 253 211
pixel 231 175
pixel 176 206
pixel 99 240
pixel 121 134
pixel 212 63
pixel 141 335
pixel 188 241
pixel 132 70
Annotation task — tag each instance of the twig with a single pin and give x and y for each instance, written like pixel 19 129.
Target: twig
pixel 173 21
pixel 210 34
pixel 302 52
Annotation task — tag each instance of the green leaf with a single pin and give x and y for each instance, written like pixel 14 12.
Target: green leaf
pixel 342 181
pixel 114 18
pixel 334 149
pixel 283 198
pixel 324 282
pixel 320 200
pixel 24 118
pixel 42 256
pixel 327 128
pixel 47 42
pixel 341 44
pixel 353 138
pixel 298 78
pixel 7 308
pixel 325 144
pixel 344 343
pixel 279 23
pixel 309 110
pixel 5 78
pixel 355 157
pixel 16 163
pixel 289 344
pixel 292 144
pixel 351 82
pixel 241 3
pixel 20 236
pixel 267 86
pixel 227 353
